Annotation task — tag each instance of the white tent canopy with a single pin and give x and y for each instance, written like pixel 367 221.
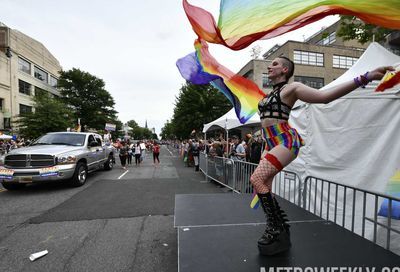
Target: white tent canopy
pixel 229 121
pixel 5 137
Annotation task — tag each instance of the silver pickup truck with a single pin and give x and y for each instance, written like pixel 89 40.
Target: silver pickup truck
pixel 56 156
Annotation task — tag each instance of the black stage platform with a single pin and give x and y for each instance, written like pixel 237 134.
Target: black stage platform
pixel 219 232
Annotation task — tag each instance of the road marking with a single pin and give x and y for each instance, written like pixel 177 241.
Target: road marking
pixel 248 224
pixel 2 190
pixel 170 152
pixel 123 174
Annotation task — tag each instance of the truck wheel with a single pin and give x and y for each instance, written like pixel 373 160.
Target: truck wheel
pixel 13 186
pixel 80 175
pixel 109 164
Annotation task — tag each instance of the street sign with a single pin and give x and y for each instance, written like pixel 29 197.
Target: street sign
pixel 110 127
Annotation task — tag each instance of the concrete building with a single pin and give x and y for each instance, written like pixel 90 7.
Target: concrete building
pixel 320 59
pixel 26 68
pixel 256 71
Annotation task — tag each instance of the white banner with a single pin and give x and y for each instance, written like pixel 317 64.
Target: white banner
pixel 110 127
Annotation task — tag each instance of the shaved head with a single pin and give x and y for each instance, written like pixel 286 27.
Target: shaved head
pixel 286 62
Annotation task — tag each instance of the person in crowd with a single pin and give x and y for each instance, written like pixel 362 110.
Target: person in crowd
pixel 130 152
pixel 14 145
pixel 3 148
pixel 107 138
pixel 138 153
pixel 247 145
pixel 156 153
pixel 202 146
pixel 195 153
pixel 284 142
pixel 218 152
pixel 123 153
pixel 190 161
pixel 208 146
pixel 255 150
pixel 117 144
pixel 143 150
pixel 186 153
pixel 238 151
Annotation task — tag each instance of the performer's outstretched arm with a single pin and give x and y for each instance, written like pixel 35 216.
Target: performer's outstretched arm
pixel 311 95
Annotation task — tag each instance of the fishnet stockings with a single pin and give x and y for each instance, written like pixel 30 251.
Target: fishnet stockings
pixel 262 176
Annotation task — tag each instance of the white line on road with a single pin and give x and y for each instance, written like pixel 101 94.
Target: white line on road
pixel 170 153
pixel 248 224
pixel 123 174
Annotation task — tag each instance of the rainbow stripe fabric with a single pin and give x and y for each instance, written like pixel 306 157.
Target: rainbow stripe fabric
pixel 201 68
pixel 240 22
pixel 282 134
pixel 393 188
pixel 255 202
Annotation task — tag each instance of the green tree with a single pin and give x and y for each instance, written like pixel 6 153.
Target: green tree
pixel 139 133
pixel 352 28
pixel 50 115
pixel 195 106
pixel 132 123
pixel 86 96
pixel 167 131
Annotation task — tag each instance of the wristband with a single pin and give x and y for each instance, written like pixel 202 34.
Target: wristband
pixel 364 79
pixel 358 83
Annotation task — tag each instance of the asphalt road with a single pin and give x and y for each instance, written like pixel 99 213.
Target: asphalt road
pixel 120 220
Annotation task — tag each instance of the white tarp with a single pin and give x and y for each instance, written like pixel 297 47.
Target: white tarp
pixel 354 140
pixel 354 132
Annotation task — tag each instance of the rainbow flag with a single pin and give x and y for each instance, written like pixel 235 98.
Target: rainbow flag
pixel 393 188
pixel 202 68
pixel 389 80
pixel 240 23
pixel 255 202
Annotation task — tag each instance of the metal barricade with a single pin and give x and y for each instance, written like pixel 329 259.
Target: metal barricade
pixel 235 175
pixel 352 208
pixel 218 169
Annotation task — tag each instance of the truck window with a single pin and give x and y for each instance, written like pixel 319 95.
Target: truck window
pixel 91 139
pixel 98 139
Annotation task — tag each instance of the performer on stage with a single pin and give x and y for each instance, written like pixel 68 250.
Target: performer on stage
pixel 283 142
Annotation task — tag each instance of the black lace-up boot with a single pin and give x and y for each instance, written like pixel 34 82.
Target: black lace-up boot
pixel 276 237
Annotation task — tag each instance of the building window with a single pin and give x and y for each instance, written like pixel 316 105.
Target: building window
pixel 249 74
pixel 40 74
pixel 24 87
pixel 331 38
pixel 1 104
pixel 39 91
pixel 53 81
pixel 7 123
pixel 24 66
pixel 313 82
pixel 266 82
pixel 343 61
pixel 24 108
pixel 308 58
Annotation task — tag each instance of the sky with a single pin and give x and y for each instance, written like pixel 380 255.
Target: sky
pixel 131 45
